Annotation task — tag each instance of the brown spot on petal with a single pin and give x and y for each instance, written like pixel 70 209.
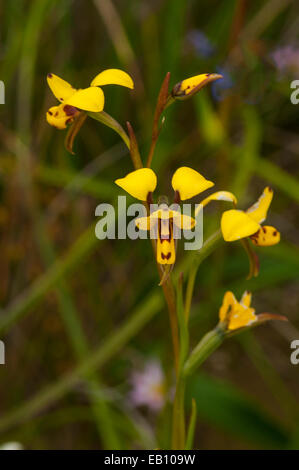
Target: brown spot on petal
pixel 70 110
pixel 166 256
pixel 49 75
pixel 176 91
pixel 50 112
pixel 274 233
pixel 264 229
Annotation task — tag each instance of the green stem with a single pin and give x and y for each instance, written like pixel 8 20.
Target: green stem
pixel 206 346
pixel 202 351
pixel 183 327
pixel 208 247
pixel 109 121
pixel 189 291
pixel 169 294
pixel 178 430
pixel 191 428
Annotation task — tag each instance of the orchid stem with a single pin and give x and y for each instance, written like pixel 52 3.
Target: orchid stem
pixel 169 294
pixel 189 291
pixel 178 430
pixel 208 247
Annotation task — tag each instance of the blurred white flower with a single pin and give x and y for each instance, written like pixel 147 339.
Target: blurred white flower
pixel 11 446
pixel 148 386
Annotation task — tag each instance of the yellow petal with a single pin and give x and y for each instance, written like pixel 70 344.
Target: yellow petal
pixel 88 99
pixel 113 77
pixel 166 251
pixel 236 224
pixel 217 196
pixel 246 299
pixel 241 317
pixel 259 210
pixel 189 182
pixel 62 115
pixel 266 236
pixel 139 183
pixel 182 221
pixel 228 303
pixel 237 315
pixel 61 89
pixel 189 86
pixel 220 196
pixel 145 223
pixel 185 222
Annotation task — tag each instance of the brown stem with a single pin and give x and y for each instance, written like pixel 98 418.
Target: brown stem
pixel 161 103
pixel 168 291
pixel 169 294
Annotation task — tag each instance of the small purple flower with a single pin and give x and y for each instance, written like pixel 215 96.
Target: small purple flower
pixel 148 386
pixel 286 59
pixel 201 43
pixel 220 88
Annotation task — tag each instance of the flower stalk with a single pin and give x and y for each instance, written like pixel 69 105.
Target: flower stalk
pixel 234 316
pixel 109 121
pixel 206 346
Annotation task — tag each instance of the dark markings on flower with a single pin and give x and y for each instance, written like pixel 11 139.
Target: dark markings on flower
pixel 176 90
pixel 177 197
pixel 50 112
pixel 275 233
pixel 69 110
pixel 254 236
pixel 50 75
pixel 164 237
pixel 165 256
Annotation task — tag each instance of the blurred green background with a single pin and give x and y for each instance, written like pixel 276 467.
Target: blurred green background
pixel 78 315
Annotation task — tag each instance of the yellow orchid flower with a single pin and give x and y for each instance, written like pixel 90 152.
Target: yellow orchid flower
pixel 186 183
pixel 237 315
pixel 164 221
pixel 86 99
pixel 238 224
